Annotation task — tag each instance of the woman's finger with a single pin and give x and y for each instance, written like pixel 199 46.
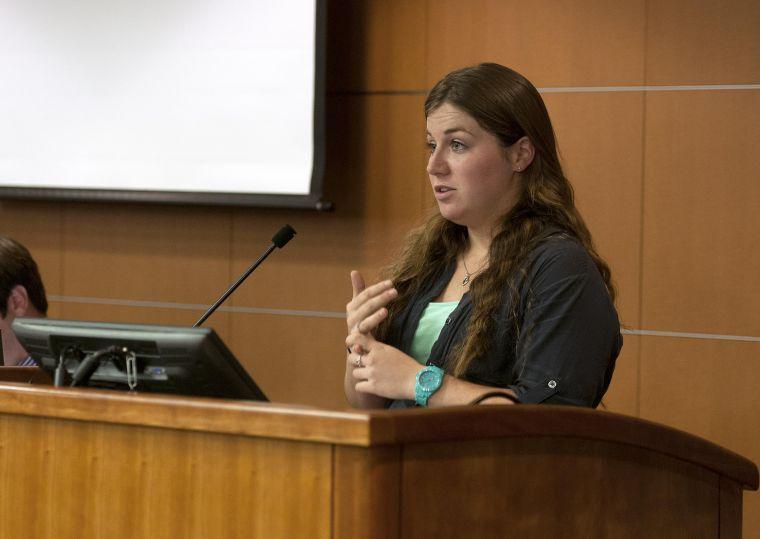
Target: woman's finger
pixel 363 386
pixel 360 298
pixel 370 307
pixel 368 293
pixel 363 340
pixel 357 283
pixel 371 322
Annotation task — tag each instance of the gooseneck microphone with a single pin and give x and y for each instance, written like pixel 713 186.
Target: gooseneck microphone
pixel 283 236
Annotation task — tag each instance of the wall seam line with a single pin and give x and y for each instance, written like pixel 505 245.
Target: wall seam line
pixel 581 89
pixel 114 302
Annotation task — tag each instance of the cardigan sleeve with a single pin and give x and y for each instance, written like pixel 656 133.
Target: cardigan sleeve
pixel 569 333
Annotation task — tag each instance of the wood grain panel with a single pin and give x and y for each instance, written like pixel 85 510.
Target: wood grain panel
pixel 730 509
pixel 703 42
pixel 54 309
pixel 587 489
pixel 581 43
pixel 376 45
pixel 375 473
pixel 293 359
pixel 701 202
pixel 311 272
pixel 600 141
pixel 197 467
pixel 158 483
pixel 376 176
pixel 37 225
pixel 706 387
pixel 623 394
pixel 157 253
pixel 374 428
pixel 219 321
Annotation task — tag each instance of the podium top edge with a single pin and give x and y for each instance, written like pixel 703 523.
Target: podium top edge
pixel 370 428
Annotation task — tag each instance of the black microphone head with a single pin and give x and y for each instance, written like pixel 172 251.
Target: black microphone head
pixel 283 236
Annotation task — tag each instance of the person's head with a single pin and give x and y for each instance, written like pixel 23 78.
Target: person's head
pixel 474 177
pixel 506 178
pixel 508 108
pixel 21 294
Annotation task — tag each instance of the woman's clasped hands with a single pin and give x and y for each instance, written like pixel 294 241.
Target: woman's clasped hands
pixel 378 369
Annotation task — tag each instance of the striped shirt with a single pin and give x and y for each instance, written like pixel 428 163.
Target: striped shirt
pixel 28 362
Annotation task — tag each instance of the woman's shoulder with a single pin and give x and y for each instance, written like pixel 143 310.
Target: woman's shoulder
pixel 560 249
pixel 561 264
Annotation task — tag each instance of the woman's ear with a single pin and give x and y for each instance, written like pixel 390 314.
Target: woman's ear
pixel 18 301
pixel 523 153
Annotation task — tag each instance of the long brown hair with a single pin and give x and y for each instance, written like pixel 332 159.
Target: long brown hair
pixel 508 106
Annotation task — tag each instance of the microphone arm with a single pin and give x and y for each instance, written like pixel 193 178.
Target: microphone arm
pixel 283 236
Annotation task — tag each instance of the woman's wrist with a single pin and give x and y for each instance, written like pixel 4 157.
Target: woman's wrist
pixel 427 381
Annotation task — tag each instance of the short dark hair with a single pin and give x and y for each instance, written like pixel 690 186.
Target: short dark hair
pixel 17 267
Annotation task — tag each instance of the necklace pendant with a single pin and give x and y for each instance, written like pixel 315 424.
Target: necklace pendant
pixel 466 280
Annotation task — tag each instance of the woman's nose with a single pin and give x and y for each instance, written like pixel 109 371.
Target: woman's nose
pixel 437 165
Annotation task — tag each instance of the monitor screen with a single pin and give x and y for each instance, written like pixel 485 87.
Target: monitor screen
pixel 166 359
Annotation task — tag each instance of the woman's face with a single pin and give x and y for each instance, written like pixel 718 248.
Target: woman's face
pixel 471 173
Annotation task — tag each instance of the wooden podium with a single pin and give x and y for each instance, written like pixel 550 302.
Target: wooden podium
pixel 87 463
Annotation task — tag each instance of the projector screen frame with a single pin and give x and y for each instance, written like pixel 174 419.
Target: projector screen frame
pixel 312 200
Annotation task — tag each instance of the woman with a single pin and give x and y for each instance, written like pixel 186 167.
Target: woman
pixel 500 297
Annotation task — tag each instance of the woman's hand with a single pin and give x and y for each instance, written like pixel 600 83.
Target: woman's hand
pixel 367 309
pixel 384 371
pixel 363 314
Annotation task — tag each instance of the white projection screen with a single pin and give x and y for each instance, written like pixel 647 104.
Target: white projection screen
pixel 176 101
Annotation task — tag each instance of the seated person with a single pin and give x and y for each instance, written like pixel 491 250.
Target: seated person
pixel 21 294
pixel 501 296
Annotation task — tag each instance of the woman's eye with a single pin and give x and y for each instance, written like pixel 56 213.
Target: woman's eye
pixel 457 146
pixel 431 146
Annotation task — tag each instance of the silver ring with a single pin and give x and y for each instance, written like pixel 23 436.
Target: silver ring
pixel 358 361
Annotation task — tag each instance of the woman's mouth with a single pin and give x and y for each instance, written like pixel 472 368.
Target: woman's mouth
pixel 443 191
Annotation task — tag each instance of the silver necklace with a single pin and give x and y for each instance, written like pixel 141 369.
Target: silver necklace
pixel 468 274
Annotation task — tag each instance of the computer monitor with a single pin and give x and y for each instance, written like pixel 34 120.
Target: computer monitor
pixel 166 359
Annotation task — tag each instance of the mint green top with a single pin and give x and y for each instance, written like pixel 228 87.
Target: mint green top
pixel 430 325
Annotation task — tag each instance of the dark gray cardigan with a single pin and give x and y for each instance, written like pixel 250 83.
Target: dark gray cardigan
pixel 569 334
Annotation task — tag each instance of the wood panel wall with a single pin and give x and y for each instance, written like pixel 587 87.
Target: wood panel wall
pixel 657 110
